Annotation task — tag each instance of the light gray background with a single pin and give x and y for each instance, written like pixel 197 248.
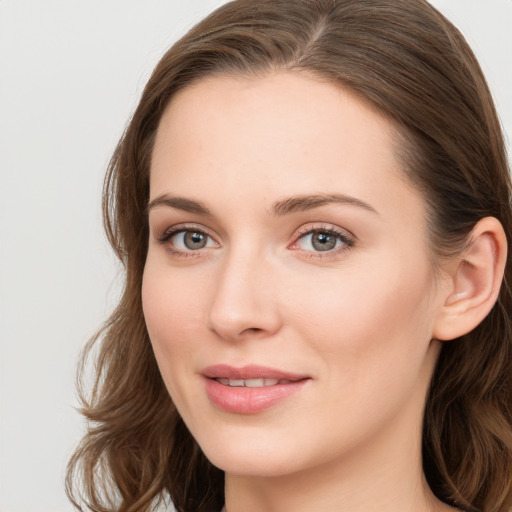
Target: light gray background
pixel 70 75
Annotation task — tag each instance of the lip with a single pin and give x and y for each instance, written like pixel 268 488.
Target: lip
pixel 249 400
pixel 225 371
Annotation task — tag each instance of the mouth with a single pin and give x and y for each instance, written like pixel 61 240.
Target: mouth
pixel 251 383
pixel 251 389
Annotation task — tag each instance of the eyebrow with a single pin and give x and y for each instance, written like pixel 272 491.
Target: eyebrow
pixel 308 202
pixel 179 203
pixel 279 208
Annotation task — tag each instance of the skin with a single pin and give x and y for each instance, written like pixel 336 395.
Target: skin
pixel 358 320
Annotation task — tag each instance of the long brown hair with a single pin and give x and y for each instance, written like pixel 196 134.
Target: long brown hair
pixel 405 59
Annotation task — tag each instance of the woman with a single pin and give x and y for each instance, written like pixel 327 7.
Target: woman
pixel 312 204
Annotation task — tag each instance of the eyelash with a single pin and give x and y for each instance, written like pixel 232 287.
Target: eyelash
pixel 169 233
pixel 348 240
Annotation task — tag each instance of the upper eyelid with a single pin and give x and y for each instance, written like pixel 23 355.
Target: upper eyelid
pixel 331 228
pixel 178 228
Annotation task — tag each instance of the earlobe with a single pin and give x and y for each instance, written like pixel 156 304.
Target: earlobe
pixel 475 281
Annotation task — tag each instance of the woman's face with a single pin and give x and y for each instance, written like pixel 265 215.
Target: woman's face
pixel 288 290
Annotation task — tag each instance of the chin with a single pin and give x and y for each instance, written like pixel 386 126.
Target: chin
pixel 253 466
pixel 251 457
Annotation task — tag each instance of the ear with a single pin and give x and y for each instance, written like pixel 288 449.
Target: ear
pixel 474 281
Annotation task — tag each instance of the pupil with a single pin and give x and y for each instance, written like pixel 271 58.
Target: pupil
pixel 195 240
pixel 323 242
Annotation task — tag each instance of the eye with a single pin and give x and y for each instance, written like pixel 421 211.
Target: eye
pixel 181 240
pixel 323 240
pixel 190 240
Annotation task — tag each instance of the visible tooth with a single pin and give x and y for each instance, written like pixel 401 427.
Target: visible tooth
pixel 285 381
pixel 254 383
pixel 250 383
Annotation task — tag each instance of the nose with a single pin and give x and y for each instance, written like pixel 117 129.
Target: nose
pixel 245 302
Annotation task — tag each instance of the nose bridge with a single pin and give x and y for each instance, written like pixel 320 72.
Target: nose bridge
pixel 244 300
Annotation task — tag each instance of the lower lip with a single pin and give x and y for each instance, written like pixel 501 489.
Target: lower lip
pixel 243 400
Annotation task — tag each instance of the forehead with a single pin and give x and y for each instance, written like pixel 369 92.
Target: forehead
pixel 295 104
pixel 259 139
pixel 264 116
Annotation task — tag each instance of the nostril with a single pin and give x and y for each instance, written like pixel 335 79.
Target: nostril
pixel 253 329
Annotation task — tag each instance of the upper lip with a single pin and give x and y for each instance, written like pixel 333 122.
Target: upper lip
pixel 225 371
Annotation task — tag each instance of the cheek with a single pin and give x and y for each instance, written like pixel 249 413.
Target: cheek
pixel 369 337
pixel 171 305
pixel 367 315
pixel 171 308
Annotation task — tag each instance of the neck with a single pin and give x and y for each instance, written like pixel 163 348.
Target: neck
pixel 328 489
